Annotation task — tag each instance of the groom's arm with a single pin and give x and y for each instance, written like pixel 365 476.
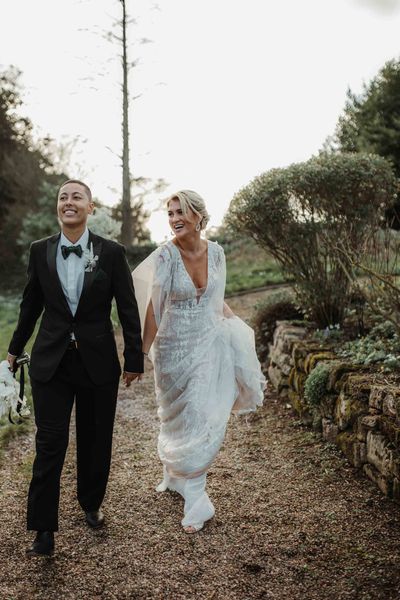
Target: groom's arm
pixel 30 310
pixel 128 313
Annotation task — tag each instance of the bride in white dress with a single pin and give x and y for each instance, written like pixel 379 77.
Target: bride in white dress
pixel 204 358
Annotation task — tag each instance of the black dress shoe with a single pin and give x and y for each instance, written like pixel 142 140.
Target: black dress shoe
pixel 94 518
pixel 43 544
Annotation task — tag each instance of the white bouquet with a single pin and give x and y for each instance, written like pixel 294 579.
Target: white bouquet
pixel 9 392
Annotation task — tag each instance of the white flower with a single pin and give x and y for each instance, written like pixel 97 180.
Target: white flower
pixel 90 259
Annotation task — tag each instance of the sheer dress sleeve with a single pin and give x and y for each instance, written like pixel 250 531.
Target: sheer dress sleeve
pixel 152 281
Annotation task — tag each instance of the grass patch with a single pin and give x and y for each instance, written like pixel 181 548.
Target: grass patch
pixel 9 307
pixel 248 266
pixel 9 311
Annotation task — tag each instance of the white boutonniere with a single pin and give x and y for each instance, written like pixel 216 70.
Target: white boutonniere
pixel 90 259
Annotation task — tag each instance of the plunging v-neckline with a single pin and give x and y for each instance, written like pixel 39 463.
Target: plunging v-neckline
pixel 187 272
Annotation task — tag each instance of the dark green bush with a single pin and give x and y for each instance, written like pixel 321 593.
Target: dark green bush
pixel 279 306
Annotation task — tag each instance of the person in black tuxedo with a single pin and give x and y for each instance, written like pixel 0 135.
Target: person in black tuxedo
pixel 73 276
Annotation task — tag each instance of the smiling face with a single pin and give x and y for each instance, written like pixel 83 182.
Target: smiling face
pixel 180 223
pixel 73 206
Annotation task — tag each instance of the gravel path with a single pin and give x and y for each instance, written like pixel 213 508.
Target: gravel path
pixel 293 519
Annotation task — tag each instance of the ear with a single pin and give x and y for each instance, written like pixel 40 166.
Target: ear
pixel 91 208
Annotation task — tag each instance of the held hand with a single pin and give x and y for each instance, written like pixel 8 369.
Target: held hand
pixel 129 377
pixel 11 362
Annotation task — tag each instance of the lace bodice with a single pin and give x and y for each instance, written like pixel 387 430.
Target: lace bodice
pixel 182 284
pixel 179 289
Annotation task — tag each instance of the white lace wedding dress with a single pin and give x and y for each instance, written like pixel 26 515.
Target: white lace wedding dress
pixel 205 367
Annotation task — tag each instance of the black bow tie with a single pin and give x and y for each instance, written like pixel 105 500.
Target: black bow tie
pixel 67 250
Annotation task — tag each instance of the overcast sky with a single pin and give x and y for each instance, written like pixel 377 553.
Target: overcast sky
pixel 228 88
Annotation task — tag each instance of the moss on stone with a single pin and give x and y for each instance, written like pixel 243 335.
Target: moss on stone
pixel 384 483
pixel 327 405
pixel 304 347
pixel 314 358
pixel 299 380
pixel 351 447
pixel 300 407
pixel 291 377
pixel 338 374
pixel 348 409
pixel 396 489
pixel 390 429
pixel 345 441
pixel 358 386
pixel 317 419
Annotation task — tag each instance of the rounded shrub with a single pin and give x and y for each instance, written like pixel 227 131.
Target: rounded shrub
pixel 311 217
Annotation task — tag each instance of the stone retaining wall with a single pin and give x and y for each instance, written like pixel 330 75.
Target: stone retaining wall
pixel 359 412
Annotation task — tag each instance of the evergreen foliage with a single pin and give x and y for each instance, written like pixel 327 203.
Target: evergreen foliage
pixel 25 164
pixel 371 123
pixel 41 222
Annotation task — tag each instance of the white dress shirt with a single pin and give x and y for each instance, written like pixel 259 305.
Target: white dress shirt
pixel 71 270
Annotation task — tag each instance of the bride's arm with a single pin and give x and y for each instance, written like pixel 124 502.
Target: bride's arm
pixel 150 329
pixel 228 313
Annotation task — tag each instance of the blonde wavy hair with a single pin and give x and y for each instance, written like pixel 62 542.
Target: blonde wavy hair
pixel 190 200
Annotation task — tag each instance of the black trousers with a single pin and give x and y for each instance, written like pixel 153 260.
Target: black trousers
pixel 95 413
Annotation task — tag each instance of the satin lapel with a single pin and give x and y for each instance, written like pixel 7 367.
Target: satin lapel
pixel 90 275
pixel 52 244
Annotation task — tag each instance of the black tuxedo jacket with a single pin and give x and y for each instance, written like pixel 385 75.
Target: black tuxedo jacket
pixel 111 278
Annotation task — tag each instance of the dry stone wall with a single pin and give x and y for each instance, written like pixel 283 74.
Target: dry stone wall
pixel 358 412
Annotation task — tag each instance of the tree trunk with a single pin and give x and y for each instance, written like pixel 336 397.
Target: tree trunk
pixel 126 227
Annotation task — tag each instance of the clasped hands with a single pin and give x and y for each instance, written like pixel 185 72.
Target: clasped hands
pixel 129 377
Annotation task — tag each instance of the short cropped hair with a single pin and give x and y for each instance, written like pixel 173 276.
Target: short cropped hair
pixel 192 200
pixel 84 185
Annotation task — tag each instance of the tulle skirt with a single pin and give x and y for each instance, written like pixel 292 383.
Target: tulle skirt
pixel 202 375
